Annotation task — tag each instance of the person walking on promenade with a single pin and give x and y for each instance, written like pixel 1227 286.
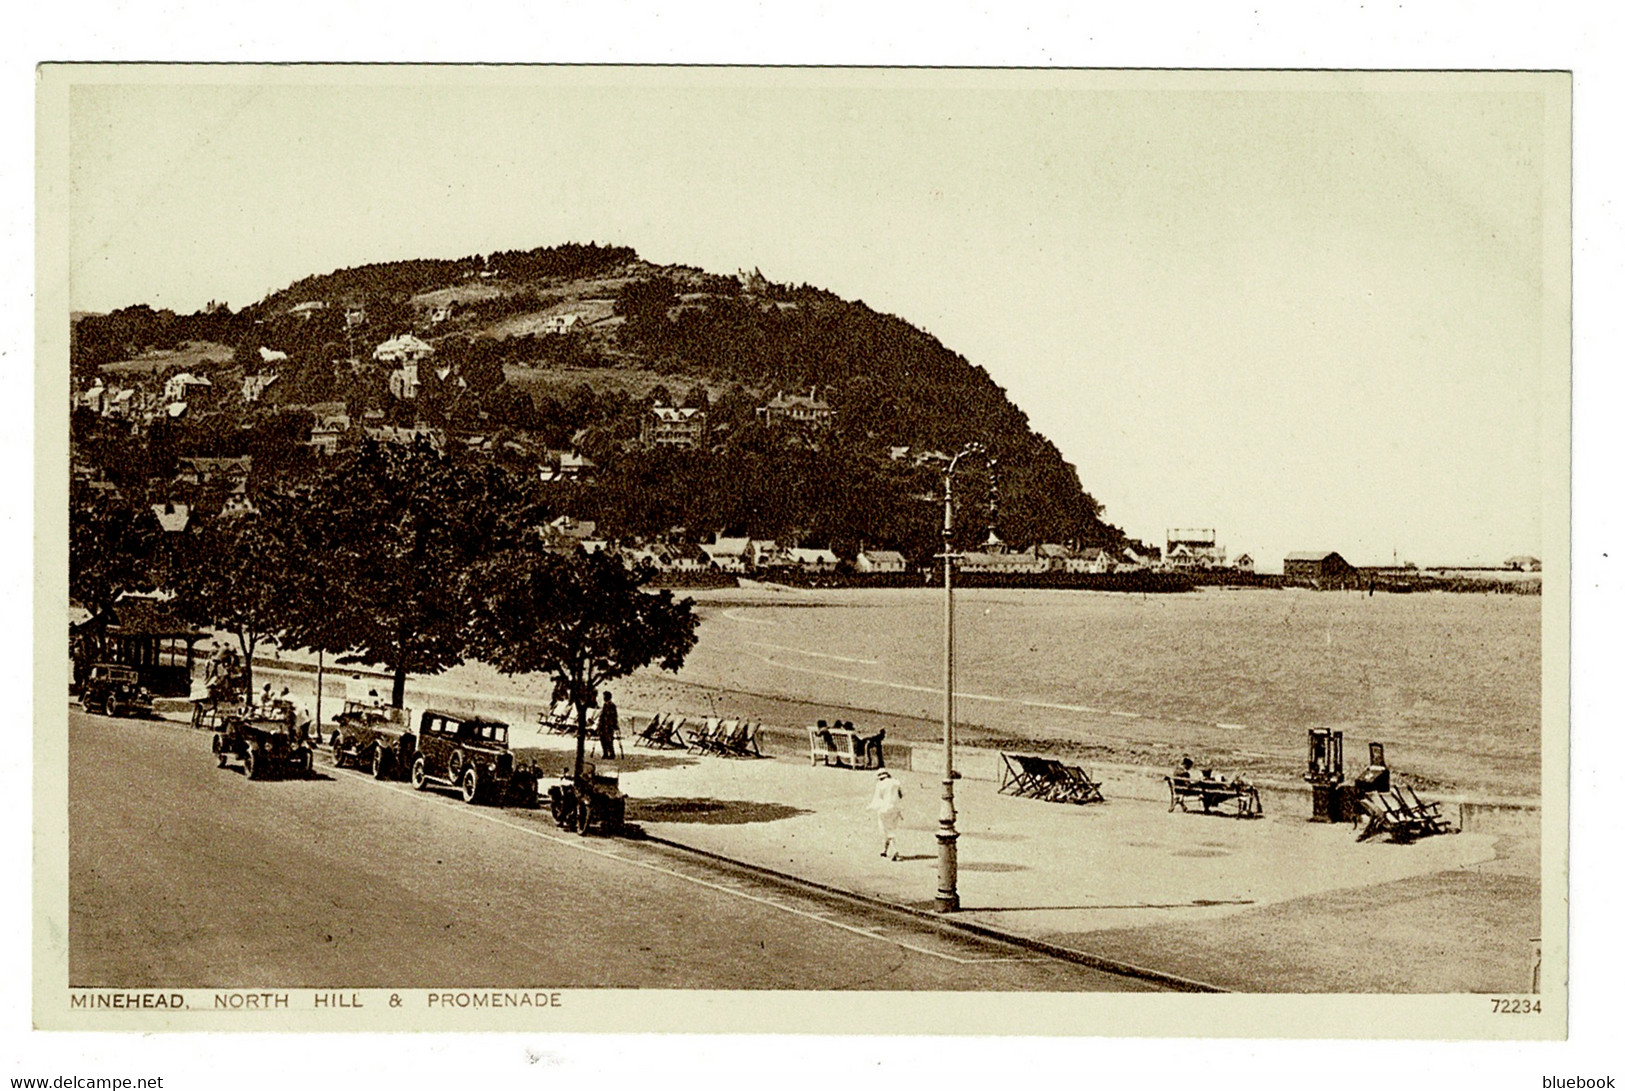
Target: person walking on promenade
pixel 887 803
pixel 609 721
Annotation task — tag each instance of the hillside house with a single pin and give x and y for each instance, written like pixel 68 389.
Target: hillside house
pixel 669 426
pixel 308 308
pixel 403 382
pixel 800 410
pixel 560 323
pixel 1025 562
pixel 1055 558
pixel 434 438
pixel 272 356
pixel 402 349
pixel 813 560
pixel 185 387
pixel 728 554
pixel 566 466
pixel 172 516
pixel 1091 559
pixel 1244 563
pixel 254 386
pixel 765 553
pixel 1318 568
pixel 869 561
pixel 354 316
pixel 230 474
pixel 328 432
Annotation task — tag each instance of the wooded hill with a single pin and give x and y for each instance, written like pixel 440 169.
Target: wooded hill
pixel 570 345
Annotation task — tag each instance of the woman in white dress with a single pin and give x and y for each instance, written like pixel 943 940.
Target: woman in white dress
pixel 887 803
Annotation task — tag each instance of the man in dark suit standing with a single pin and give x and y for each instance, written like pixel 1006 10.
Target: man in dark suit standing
pixel 609 722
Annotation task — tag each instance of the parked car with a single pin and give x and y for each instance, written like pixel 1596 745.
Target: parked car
pixel 269 741
pixel 470 754
pixel 115 690
pixel 592 801
pixel 376 737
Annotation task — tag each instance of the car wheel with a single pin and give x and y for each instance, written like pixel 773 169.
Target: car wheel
pixel 584 816
pixel 337 744
pixel 252 762
pixel 471 785
pixel 114 709
pixel 420 775
pixel 380 763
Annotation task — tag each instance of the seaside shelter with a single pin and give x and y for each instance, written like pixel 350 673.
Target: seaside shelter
pixel 145 634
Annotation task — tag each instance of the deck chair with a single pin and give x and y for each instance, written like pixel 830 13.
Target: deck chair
pixel 1078 785
pixel 704 736
pixel 1035 778
pixel 1425 813
pixel 1387 815
pixel 716 742
pixel 1014 779
pixel 657 735
pixel 741 742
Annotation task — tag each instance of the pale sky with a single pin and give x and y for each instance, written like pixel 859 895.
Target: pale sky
pixel 1310 312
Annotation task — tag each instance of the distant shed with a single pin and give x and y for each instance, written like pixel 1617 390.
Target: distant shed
pixel 1320 568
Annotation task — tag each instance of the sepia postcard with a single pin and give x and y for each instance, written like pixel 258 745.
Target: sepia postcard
pixel 802 551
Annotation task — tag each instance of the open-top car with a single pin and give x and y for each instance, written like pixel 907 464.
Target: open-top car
pixel 470 754
pixel 115 690
pixel 376 737
pixel 268 740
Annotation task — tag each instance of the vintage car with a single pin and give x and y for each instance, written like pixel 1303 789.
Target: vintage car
pixel 376 737
pixel 470 754
pixel 115 690
pixel 589 802
pixel 268 740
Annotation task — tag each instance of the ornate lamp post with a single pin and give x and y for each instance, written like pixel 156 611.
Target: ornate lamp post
pixel 947 834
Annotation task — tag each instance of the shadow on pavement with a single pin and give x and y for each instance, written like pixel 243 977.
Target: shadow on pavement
pixel 714 812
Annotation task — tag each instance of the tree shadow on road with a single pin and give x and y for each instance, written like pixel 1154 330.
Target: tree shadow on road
pixel 711 812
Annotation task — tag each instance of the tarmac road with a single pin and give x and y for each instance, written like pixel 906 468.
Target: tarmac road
pixel 185 875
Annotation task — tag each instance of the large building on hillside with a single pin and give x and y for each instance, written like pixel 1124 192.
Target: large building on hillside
pixel 806 410
pixel 669 426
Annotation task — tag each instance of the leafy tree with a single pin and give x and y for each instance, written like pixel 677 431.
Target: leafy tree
pixel 112 546
pixel 236 576
pixel 402 527
pixel 582 619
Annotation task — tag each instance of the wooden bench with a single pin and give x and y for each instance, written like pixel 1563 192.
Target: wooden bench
pixel 1213 796
pixel 833 747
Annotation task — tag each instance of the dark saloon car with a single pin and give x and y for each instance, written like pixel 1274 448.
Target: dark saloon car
pixel 115 690
pixel 470 754
pixel 375 737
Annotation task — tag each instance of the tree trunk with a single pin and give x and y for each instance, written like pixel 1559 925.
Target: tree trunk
pixel 581 736
pixel 248 666
pixel 397 693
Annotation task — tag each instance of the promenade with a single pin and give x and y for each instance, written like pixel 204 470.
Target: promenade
pixel 1275 904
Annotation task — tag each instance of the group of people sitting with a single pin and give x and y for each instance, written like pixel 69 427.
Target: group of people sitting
pixel 1186 770
pixel 867 748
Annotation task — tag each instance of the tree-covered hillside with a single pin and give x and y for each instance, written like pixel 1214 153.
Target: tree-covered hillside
pixel 569 347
